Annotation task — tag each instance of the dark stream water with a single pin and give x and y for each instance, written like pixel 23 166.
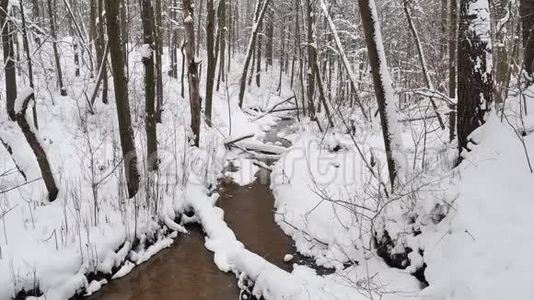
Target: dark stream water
pixel 186 270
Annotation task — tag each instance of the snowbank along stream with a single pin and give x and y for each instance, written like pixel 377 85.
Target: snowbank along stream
pixel 186 269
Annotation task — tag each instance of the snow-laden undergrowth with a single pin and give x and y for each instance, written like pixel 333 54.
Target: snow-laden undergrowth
pixel 464 231
pixel 92 231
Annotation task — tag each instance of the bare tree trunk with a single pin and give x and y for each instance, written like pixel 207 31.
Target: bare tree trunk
pixel 158 36
pixel 38 151
pixel 270 37
pixel 199 41
pixel 258 57
pixel 222 33
pixel 527 17
pixel 453 48
pixel 124 34
pixel 212 60
pixel 29 61
pixel 101 42
pixel 382 83
pixel 312 57
pixel 148 62
pixel 344 59
pixel 192 69
pixel 9 60
pixel 51 9
pixel 322 94
pixel 173 40
pixel 474 75
pixel 422 60
pixel 250 50
pixel 120 81
pixel 300 56
pixel 444 28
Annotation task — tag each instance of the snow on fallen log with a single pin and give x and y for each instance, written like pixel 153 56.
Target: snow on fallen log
pixel 273 108
pixel 234 139
pixel 261 147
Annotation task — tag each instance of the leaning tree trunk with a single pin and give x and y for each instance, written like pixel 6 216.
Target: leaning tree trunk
pixel 192 69
pixel 343 57
pixel 150 95
pixel 474 68
pixel 35 145
pixel 20 115
pixel 422 59
pixel 9 60
pixel 59 72
pixel 527 17
pixel 382 84
pixel 250 50
pixel 212 61
pixel 121 97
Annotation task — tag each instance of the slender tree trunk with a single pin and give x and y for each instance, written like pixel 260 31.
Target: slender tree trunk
pixel 422 60
pixel 258 57
pixel 453 48
pixel 121 97
pixel 51 10
pixel 150 97
pixel 322 94
pixel 174 41
pixel 250 49
pixel 199 27
pixel 223 33
pixel 26 46
pixel 212 60
pixel 101 41
pixel 382 84
pixel 475 91
pixel 270 37
pixel 9 60
pixel 124 33
pixel 527 17
pixel 344 59
pixel 444 28
pixel 158 36
pixel 300 56
pixel 192 69
pixel 38 151
pixel 312 57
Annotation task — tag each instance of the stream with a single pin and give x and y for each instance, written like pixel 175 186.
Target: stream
pixel 186 269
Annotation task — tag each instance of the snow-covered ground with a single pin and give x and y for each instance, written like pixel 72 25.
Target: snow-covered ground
pixel 329 202
pixel 54 249
pixel 468 228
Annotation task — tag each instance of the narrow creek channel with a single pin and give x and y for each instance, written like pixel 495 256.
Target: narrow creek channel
pixel 186 269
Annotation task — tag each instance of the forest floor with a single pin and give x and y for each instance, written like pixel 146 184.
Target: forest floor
pixel 464 231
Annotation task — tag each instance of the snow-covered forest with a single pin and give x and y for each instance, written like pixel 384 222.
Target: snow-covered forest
pixel 267 149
